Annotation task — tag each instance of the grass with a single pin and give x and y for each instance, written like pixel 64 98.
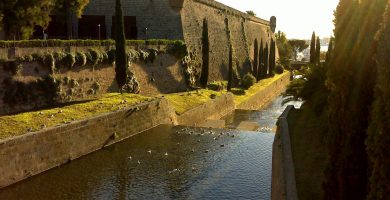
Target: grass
pixel 34 121
pixel 309 152
pixel 183 102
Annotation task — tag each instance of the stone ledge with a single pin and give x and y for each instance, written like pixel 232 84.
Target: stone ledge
pixel 283 169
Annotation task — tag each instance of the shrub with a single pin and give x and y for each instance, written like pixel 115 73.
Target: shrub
pixel 94 56
pixel 59 56
pixel 152 55
pixel 111 56
pixel 69 60
pixel 217 86
pixel 81 59
pixel 49 61
pixel 13 66
pixel 279 69
pixel 178 49
pixel 248 80
pixel 96 86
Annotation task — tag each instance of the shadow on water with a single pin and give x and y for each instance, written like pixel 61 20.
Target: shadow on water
pixel 167 163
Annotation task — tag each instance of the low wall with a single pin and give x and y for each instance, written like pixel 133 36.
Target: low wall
pixel 263 97
pixel 283 170
pixel 214 109
pixel 33 153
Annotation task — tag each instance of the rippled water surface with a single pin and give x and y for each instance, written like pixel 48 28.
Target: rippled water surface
pixel 168 163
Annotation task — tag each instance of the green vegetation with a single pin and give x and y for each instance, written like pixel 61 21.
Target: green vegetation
pixel 255 60
pixel 34 121
pixel 248 80
pixel 251 13
pixel 242 95
pixel 272 61
pixel 83 43
pixel 260 69
pixel 313 48
pixel 318 51
pixel 204 77
pixel 297 46
pixel 183 102
pixel 378 138
pixel 329 53
pixel 285 49
pixel 342 95
pixel 120 53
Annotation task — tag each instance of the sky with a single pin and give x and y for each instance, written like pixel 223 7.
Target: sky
pixel 297 18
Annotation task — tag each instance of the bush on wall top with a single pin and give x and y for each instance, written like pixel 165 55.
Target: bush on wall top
pixel 70 43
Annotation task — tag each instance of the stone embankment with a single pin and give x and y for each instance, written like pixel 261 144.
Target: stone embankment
pixel 33 153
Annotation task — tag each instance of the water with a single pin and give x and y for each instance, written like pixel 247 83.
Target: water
pixel 168 163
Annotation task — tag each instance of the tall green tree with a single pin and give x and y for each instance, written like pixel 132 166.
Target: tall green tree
pixel 120 45
pixel 20 16
pixel 255 58
pixel 284 48
pixel 266 60
pixel 272 59
pixel 261 62
pixel 204 77
pixel 68 8
pixel 318 51
pixel 351 78
pixel 298 46
pixel 378 140
pixel 313 48
pixel 329 53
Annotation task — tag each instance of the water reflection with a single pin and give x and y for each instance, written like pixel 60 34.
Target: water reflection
pixel 167 163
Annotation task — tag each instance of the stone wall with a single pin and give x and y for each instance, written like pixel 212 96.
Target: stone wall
pixel 214 109
pixel 30 154
pixel 183 20
pixel 283 170
pixel 164 75
pixel 158 19
pixel 263 97
pixel 244 30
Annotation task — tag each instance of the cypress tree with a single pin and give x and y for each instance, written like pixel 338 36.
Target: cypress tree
pixel 349 101
pixel 272 58
pixel 318 51
pixel 330 51
pixel 230 77
pixel 266 61
pixel 205 55
pixel 313 48
pixel 255 58
pixel 120 42
pixel 378 140
pixel 261 62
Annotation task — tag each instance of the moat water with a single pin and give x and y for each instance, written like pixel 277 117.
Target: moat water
pixel 168 163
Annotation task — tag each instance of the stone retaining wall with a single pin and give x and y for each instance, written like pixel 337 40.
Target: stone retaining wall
pixel 214 109
pixel 263 97
pixel 283 170
pixel 33 153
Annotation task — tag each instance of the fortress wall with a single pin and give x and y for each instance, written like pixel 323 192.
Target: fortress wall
pixel 244 30
pixel 160 17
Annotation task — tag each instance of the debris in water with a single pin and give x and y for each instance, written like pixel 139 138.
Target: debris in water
pixel 222 145
pixel 138 162
pixel 150 151
pixel 129 158
pixel 206 151
pixel 166 154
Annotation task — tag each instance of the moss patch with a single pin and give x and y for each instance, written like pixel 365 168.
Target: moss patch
pixel 183 102
pixel 34 121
